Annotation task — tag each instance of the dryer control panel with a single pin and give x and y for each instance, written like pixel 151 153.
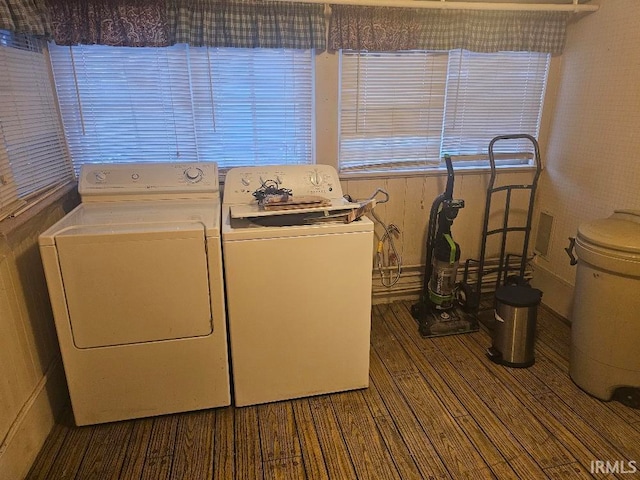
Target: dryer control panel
pixel 131 180
pixel 321 180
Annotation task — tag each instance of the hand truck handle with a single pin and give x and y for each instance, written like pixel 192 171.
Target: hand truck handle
pixel 572 243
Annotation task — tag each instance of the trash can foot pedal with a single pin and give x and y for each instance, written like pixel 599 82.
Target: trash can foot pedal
pixel 494 355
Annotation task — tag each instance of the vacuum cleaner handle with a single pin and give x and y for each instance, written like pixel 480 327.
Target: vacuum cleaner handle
pixel 448 193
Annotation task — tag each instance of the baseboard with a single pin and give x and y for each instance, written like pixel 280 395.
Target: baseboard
pixel 557 293
pixel 407 287
pixel 33 424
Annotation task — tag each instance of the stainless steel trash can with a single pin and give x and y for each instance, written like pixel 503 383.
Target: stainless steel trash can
pixel 515 326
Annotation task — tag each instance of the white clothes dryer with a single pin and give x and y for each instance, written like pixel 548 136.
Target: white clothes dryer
pixel 298 287
pixel 136 285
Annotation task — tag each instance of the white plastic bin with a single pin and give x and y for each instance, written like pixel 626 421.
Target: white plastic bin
pixel 605 320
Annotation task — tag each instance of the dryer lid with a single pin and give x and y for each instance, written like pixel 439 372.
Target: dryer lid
pixel 621 231
pixel 117 217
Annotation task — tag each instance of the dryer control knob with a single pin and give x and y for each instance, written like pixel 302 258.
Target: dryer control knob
pixel 193 174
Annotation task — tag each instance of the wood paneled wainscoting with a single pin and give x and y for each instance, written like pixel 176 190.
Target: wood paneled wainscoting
pixel 436 408
pixel 33 389
pixel 408 208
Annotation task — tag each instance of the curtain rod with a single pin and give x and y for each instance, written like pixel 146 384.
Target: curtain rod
pixel 574 7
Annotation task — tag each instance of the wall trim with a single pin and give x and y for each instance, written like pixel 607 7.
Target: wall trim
pixel 34 423
pixel 557 293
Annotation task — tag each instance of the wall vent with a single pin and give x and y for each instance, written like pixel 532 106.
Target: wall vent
pixel 543 237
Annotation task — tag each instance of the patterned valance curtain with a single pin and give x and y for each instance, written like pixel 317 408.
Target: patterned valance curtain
pixel 122 23
pixel 389 29
pixel 28 17
pixel 278 24
pixel 249 24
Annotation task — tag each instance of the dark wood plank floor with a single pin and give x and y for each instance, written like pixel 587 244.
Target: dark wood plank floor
pixel 435 409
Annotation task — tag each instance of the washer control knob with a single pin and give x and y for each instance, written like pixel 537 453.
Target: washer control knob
pixel 193 174
pixel 316 178
pixel 245 181
pixel 100 176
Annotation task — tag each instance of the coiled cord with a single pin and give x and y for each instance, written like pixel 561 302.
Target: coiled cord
pixel 389 232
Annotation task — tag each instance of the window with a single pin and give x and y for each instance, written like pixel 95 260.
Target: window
pixel 404 111
pixel 230 105
pixel 32 152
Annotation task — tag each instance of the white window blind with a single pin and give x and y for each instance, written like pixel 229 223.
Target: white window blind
pixel 32 151
pixel 404 111
pixel 233 106
pixel 391 107
pixel 262 108
pixel 490 95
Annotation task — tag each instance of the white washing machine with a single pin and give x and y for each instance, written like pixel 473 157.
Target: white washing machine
pixel 136 285
pixel 298 288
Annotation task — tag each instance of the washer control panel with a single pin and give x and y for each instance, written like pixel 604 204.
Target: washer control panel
pixel 321 180
pixel 101 179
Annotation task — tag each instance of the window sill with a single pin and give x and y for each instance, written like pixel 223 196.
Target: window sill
pixel 35 206
pixel 435 172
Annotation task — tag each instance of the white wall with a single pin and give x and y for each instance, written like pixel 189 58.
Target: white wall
pixel 593 151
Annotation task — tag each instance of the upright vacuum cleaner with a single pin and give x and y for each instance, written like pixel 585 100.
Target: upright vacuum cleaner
pixel 439 311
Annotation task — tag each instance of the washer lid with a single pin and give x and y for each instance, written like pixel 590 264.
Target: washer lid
pixel 621 231
pixel 245 229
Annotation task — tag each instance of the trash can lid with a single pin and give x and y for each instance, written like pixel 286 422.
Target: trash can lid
pixel 621 231
pixel 518 295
